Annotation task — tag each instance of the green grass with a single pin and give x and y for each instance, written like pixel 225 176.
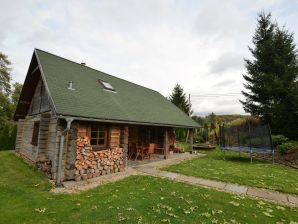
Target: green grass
pixel 25 198
pixel 239 170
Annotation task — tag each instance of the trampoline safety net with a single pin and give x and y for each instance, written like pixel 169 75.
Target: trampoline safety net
pixel 247 137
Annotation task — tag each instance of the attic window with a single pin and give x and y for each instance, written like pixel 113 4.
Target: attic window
pixel 106 85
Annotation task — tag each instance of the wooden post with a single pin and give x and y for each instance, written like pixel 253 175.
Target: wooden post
pixel 166 143
pixel 191 140
pixel 124 143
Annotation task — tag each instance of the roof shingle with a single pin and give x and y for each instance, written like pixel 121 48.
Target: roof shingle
pixel 130 102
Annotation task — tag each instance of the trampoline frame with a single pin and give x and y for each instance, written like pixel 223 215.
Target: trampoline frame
pixel 245 149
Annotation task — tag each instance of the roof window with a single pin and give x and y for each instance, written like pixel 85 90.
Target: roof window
pixel 106 85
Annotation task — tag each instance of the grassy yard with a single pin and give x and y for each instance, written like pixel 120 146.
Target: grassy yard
pixel 25 198
pixel 239 170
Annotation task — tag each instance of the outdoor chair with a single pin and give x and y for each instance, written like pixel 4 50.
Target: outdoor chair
pixel 151 151
pixel 177 148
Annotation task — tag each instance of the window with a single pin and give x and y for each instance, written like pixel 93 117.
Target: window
pixel 98 136
pixel 106 85
pixel 34 140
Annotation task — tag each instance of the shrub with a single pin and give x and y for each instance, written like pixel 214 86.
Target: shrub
pixel 285 148
pixel 198 139
pixel 8 136
pixel 279 140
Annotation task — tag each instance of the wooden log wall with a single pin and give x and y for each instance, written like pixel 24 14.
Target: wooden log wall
pixel 24 146
pixel 19 137
pixel 114 138
pixel 44 154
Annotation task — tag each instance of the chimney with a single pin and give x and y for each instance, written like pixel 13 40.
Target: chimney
pixel 70 85
pixel 83 63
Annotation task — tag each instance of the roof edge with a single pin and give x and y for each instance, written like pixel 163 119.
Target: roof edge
pixel 45 82
pixel 125 121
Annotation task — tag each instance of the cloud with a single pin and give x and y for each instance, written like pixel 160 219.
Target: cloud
pixel 226 82
pixel 155 43
pixel 226 61
pixel 221 20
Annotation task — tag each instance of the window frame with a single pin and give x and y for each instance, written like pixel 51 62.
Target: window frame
pixel 98 146
pixel 102 82
pixel 35 133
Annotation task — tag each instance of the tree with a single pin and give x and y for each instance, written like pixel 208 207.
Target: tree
pixel 178 97
pixel 270 77
pixel 5 76
pixel 8 103
pixel 17 88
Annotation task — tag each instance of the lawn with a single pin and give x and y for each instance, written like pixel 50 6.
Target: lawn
pixel 25 198
pixel 239 170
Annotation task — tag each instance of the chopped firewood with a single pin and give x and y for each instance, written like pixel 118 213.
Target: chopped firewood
pixel 90 163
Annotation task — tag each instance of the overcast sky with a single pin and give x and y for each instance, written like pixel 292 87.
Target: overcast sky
pixel 155 43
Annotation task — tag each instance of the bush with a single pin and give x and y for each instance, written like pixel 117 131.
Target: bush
pixel 8 134
pixel 198 138
pixel 285 148
pixel 279 140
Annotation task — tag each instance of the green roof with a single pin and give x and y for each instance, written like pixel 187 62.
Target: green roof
pixel 129 103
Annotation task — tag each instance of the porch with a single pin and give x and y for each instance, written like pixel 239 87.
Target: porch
pixel 151 143
pixel 105 148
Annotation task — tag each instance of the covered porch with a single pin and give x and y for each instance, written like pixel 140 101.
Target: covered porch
pixel 152 143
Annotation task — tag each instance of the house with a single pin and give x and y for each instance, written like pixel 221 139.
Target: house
pixel 75 122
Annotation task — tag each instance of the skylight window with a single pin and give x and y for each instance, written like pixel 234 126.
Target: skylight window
pixel 106 85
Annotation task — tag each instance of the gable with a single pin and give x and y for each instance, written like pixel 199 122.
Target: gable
pixel 40 101
pixel 34 97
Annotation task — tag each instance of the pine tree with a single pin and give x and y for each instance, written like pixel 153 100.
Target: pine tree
pixel 178 97
pixel 271 76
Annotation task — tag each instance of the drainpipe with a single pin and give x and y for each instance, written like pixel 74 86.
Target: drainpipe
pixel 61 148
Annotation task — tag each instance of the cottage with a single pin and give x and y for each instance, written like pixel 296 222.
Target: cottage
pixel 75 122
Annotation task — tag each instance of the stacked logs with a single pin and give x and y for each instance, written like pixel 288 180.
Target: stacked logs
pixel 90 163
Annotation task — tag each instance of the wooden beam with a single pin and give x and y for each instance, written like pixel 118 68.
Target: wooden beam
pixel 34 70
pixel 166 143
pixel 124 142
pixel 25 102
pixel 190 131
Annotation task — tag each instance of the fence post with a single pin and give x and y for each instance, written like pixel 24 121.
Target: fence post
pixel 271 143
pixel 249 135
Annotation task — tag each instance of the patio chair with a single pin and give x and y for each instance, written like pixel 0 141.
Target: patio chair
pixel 177 148
pixel 141 151
pixel 151 151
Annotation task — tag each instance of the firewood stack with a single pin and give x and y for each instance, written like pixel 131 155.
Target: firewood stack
pixel 90 164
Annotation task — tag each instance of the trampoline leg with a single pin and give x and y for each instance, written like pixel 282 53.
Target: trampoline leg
pixel 224 154
pixel 239 154
pixel 273 157
pixel 250 158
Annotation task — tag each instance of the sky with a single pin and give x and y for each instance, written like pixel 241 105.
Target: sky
pixel 155 43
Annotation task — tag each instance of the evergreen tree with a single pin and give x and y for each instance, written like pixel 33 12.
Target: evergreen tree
pixel 178 97
pixel 271 75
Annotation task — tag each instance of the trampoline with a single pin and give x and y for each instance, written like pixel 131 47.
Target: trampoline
pixel 249 137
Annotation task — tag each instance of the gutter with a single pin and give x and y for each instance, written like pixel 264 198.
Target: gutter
pixel 69 120
pixel 127 122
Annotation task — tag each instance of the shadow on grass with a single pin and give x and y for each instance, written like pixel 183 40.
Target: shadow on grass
pixel 233 157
